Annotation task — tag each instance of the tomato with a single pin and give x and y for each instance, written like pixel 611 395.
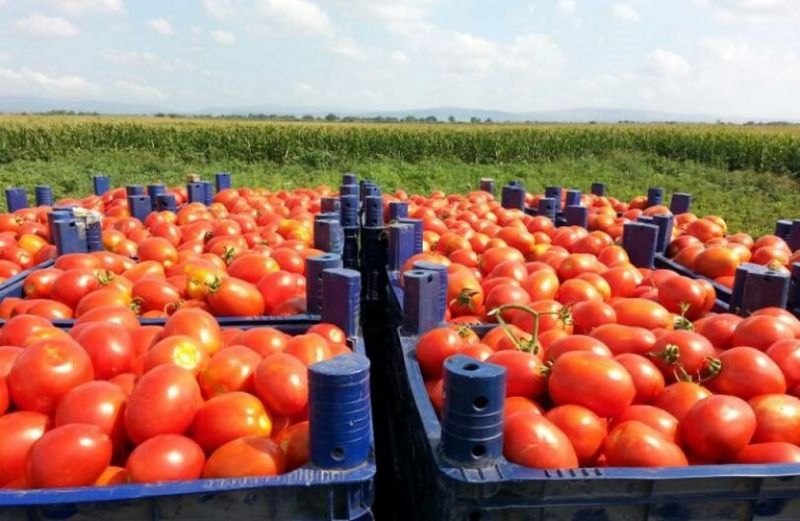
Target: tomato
pixel 19 329
pixel 281 382
pixel 658 419
pixel 72 285
pixel 39 284
pixel 641 312
pixel 494 256
pixel 153 294
pixel 164 401
pixel 585 430
pixel 718 329
pixel 771 452
pixel 145 269
pixel 45 371
pixel 718 427
pixel 464 294
pixel 577 290
pixel 95 403
pixel 158 249
pixel 434 347
pixel 198 324
pixel 679 294
pixel 625 339
pixel 621 280
pixel 777 418
pixel 120 315
pixel 278 287
pixel 102 298
pixel 252 267
pixel 180 350
pixel 109 347
pixel 575 343
pixel 590 314
pixel 4 399
pixel 263 340
pixel 593 381
pixel 166 457
pixel 635 444
pixel 676 352
pixel 678 398
pixel 647 379
pixel 235 298
pixel 505 294
pixel 541 284
pixel 7 356
pixel 50 309
pixel 145 337
pixel 524 372
pixel 786 353
pixel 294 443
pixel 18 430
pixel 125 382
pixel 230 369
pixel 477 351
pixel 761 331
pixel 247 456
pixel 784 315
pixel 534 441
pixel 329 332
pixel 71 455
pixel 309 348
pixel 747 373
pixel 519 405
pixel 289 260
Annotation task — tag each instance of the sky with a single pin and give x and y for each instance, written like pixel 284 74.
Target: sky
pixel 721 57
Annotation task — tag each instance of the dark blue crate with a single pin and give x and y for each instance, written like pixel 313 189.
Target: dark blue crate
pixel 305 493
pixel 504 490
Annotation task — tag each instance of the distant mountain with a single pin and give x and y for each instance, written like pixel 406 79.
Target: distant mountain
pixel 575 115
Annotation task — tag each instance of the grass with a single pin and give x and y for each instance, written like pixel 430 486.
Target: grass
pixel 748 200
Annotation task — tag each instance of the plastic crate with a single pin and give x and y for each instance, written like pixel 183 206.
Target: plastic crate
pixel 440 489
pixel 307 493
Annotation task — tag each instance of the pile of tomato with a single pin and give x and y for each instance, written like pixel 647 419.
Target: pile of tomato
pixel 112 401
pixel 244 255
pixel 606 364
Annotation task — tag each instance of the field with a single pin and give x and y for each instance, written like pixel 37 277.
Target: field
pixel 750 175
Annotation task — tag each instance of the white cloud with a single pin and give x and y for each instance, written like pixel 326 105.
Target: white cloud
pixel 348 48
pixel 304 88
pixel 27 81
pixel 565 7
pixel 77 7
pixel 146 59
pixel 42 26
pixel 222 9
pixel 224 37
pixel 399 58
pixel 275 16
pixel 625 12
pixel 728 50
pixel 139 91
pixel 160 25
pixel 668 63
pixel 756 11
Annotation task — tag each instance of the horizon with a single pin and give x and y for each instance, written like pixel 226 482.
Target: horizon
pixel 732 59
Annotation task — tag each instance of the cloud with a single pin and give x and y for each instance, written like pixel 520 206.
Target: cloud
pixel 304 88
pixel 399 58
pixel 755 11
pixel 78 7
pixel 273 17
pixel 139 91
pixel 161 26
pixel 224 37
pixel 728 50
pixel 625 12
pixel 348 48
pixel 565 7
pixel 27 81
pixel 668 64
pixel 41 26
pixel 146 59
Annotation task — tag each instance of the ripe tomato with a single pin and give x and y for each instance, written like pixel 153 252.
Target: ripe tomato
pixel 281 382
pixel 166 457
pixel 786 353
pixel 45 371
pixel 294 443
pixel 586 431
pixel 180 350
pixel 227 417
pixel 625 339
pixel 96 403
pixel 153 294
pixel 641 312
pixel 164 401
pixel 74 284
pixel 524 372
pixel 770 452
pixel 577 290
pixel 278 287
pixel 541 284
pixel 635 444
pixel 109 347
pixel 111 314
pixel 575 343
pixel 159 250
pixel 653 417
pixel 4 399
pixel 718 427
pixel 247 456
pixel 676 352
pixel 73 455
pixel 593 381
pixel 434 347
pixel 777 418
pixel 505 294
pixel 679 397
pixel 677 294
pixel 747 373
pixel 647 379
pixel 309 348
pixel 329 332
pixel 39 284
pixel 18 430
pixel 590 314
pixel 263 340
pixel 784 315
pixel 19 329
pixel 198 324
pixel 718 329
pixel 534 441
pixel 112 475
pixel 761 331
pixel 519 405
pixel 230 369
pixel 232 297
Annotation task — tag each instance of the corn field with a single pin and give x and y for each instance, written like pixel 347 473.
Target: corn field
pixel 775 149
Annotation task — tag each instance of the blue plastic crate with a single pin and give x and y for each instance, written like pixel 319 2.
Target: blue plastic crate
pixel 505 490
pixel 307 493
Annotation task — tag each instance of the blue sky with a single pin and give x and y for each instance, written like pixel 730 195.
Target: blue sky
pixel 725 57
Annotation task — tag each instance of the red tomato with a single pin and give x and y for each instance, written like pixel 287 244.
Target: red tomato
pixel 230 369
pixel 164 401
pixel 786 353
pixel 252 267
pixel 294 443
pixel 777 418
pixel 761 331
pixel 166 457
pixel 329 332
pixel 230 416
pixel 197 324
pixel 17 330
pixel 524 372
pixel 593 381
pixel 682 295
pixel 278 287
pixel 96 403
pixel 647 379
pixel 771 452
pixel 676 352
pixel 590 314
pixel 72 285
pixel 576 343
pixel 153 294
pixel 112 476
pixel 4 399
pixel 39 284
pixel 747 373
pixel 434 347
pixel 109 347
pixel 281 382
pixel 158 249
pixel 111 314
pixel 534 441
pixel 73 455
pixel 718 329
pixel 263 340
pixel 232 297
pixel 653 417
pixel 718 427
pixel 45 371
pixel 180 350
pixel 248 456
pixel 585 430
pixel 18 430
pixel 679 397
pixel 625 339
pixel 309 348
pixel 641 312
pixel 635 444
pixel 7 356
